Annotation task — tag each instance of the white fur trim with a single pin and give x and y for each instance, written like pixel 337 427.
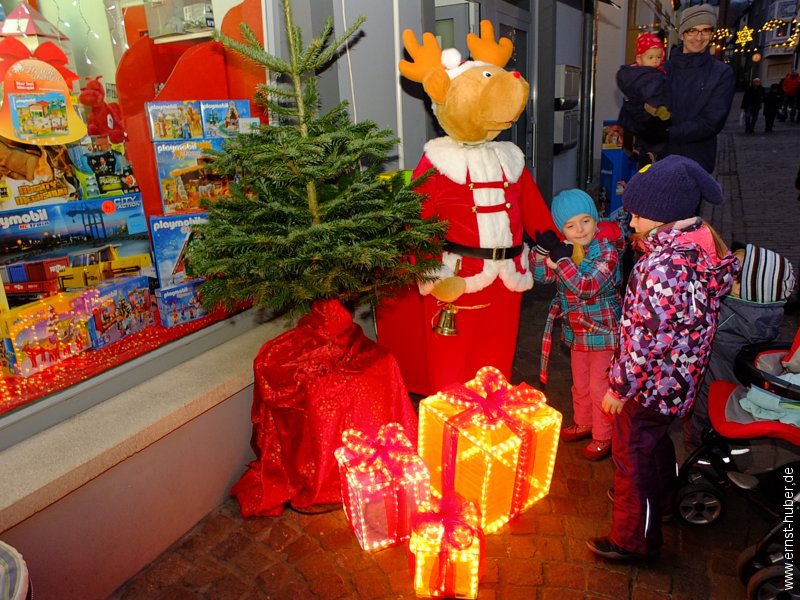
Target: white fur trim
pixel 504 269
pixel 485 162
pixel 451 58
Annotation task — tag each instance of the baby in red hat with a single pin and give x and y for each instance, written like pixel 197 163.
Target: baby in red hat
pixel 644 112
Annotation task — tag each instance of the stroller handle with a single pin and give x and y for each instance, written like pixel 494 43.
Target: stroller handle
pixel 749 374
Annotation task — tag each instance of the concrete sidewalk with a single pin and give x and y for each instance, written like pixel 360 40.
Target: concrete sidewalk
pixel 542 554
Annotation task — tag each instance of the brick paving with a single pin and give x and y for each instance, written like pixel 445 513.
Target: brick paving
pixel 542 554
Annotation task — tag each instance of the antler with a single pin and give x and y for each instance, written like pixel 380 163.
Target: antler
pixel 427 57
pixel 485 49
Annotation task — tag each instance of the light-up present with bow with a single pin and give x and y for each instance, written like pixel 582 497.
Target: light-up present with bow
pixel 493 443
pixel 384 483
pixel 447 547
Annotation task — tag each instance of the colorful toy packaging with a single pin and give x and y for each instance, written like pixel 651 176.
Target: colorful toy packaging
pixel 174 120
pixel 119 307
pixel 102 169
pixel 184 176
pixel 448 548
pixel 171 236
pixel 40 334
pixel 491 442
pixel 384 483
pixel 223 118
pixel 179 304
pixel 78 244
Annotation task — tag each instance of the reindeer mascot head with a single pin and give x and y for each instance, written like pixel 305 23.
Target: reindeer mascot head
pixel 483 190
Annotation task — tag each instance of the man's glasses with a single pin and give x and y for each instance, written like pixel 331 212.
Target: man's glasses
pixel 699 32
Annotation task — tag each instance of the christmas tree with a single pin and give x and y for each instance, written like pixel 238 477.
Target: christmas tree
pixel 309 217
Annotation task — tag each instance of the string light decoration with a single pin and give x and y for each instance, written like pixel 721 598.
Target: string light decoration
pixel 384 483
pixel 719 38
pixel 89 32
pixel 447 546
pixel 41 334
pixel 492 443
pixel 772 24
pixel 744 36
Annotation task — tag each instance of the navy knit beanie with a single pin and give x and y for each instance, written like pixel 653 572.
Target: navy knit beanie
pixel 670 189
pixel 569 203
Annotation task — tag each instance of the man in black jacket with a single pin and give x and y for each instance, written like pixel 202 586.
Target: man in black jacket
pixel 700 88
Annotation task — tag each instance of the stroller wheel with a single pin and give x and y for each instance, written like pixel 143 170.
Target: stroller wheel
pixel 748 563
pixel 699 504
pixel 770 584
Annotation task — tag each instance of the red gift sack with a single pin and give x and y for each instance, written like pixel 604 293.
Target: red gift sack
pixel 311 384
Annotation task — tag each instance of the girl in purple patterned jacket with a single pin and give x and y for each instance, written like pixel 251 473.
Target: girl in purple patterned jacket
pixel 668 322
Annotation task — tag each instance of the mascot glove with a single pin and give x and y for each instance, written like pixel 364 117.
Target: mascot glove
pixel 546 241
pixel 562 250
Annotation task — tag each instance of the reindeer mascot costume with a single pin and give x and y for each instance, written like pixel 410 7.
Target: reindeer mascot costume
pixel 485 193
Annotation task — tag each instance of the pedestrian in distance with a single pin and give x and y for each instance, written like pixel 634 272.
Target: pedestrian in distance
pixel 669 317
pixel 791 95
pixel 752 100
pixel 772 102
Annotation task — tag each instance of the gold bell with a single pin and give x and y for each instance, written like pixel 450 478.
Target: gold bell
pixel 446 323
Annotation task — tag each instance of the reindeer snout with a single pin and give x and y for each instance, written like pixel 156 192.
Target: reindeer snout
pixel 517 74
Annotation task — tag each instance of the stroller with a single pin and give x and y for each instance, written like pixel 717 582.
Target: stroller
pixel 712 470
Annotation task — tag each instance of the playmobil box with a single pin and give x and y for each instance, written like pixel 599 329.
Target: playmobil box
pixel 73 245
pixel 102 169
pixel 119 307
pixel 40 334
pixel 180 303
pixel 184 174
pixel 225 118
pixel 171 236
pixel 178 120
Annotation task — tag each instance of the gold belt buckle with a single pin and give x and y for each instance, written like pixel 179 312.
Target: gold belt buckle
pixel 498 253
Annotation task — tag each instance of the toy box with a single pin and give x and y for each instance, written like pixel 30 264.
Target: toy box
pixel 76 244
pixel 119 307
pixel 40 334
pixel 101 169
pixel 222 118
pixel 171 236
pixel 179 304
pixel 184 175
pixel 33 176
pixel 179 120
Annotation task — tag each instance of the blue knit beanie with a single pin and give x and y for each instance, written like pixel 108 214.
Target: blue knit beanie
pixel 670 189
pixel 569 203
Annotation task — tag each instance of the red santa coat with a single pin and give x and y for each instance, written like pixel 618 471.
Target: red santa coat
pixel 489 199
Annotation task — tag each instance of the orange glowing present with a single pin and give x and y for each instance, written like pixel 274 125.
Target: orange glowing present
pixel 491 442
pixel 384 484
pixel 447 548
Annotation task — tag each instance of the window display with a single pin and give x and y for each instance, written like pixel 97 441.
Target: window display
pixel 79 291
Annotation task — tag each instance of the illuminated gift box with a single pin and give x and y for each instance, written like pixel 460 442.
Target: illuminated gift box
pixel 493 443
pixel 384 483
pixel 42 333
pixel 447 548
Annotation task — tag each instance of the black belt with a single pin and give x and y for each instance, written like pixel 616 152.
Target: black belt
pixel 484 253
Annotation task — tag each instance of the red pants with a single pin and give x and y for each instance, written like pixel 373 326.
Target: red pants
pixel 589 385
pixel 645 477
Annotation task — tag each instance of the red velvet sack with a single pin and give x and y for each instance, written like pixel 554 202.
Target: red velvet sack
pixel 311 384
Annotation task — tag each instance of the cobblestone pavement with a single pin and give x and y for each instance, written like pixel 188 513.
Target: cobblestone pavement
pixel 542 554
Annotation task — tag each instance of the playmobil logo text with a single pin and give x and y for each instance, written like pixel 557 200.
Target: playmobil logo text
pixel 159 225
pixel 25 220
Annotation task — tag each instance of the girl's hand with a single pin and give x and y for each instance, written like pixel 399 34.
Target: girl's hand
pixel 611 405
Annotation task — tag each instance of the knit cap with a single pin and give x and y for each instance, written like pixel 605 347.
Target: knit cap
pixel 670 189
pixel 569 203
pixel 701 14
pixel 766 276
pixel 645 41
